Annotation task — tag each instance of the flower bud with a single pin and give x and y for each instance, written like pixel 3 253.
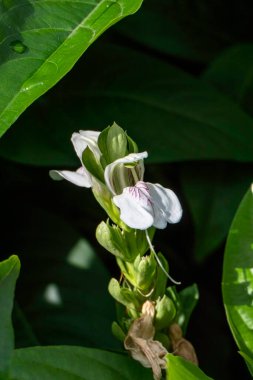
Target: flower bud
pixel 144 272
pixel 165 312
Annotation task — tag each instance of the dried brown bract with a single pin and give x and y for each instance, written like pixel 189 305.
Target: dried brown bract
pixel 181 346
pixel 139 341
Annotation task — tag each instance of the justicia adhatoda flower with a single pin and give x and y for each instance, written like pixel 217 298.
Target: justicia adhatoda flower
pixel 141 204
pixel 114 169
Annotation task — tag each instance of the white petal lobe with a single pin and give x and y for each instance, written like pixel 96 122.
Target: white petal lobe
pixel 80 177
pixel 85 139
pixel 167 207
pixel 135 210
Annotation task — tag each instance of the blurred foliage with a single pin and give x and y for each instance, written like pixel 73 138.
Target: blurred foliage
pixel 178 77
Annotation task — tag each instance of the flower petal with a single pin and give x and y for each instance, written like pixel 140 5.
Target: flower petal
pixel 80 177
pixel 129 159
pixel 166 205
pixel 135 207
pixel 83 139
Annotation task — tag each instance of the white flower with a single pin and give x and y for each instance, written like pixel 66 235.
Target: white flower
pixel 146 204
pixel 80 177
pixel 124 172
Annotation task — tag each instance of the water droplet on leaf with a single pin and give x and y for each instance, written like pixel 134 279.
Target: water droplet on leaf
pixel 18 47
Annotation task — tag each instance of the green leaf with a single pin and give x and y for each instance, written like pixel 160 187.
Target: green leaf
pixel 74 363
pixel 41 41
pixel 232 74
pixel 188 299
pixel 213 191
pixel 237 282
pixel 249 361
pixel 9 271
pixel 179 369
pixel 192 120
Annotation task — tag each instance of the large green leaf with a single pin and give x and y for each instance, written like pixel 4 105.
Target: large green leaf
pixel 213 191
pixel 179 369
pixel 232 73
pixel 40 41
pixel 168 112
pixel 74 363
pixel 9 271
pixel 237 283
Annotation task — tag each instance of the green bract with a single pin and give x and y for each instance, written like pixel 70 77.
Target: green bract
pixel 144 272
pixel 112 143
pixel 125 244
pixel 165 312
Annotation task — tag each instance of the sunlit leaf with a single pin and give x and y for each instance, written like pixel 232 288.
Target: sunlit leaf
pixel 9 271
pixel 74 363
pixel 179 369
pixel 40 41
pixel 237 283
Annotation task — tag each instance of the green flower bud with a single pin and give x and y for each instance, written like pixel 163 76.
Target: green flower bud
pixel 144 272
pixel 165 312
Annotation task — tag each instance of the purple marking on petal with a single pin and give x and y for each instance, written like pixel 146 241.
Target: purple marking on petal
pixel 141 192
